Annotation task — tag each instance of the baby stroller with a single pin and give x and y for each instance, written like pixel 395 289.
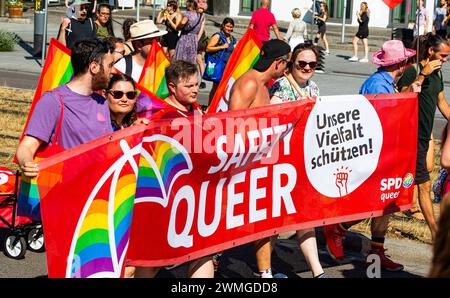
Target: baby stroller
pixel 22 232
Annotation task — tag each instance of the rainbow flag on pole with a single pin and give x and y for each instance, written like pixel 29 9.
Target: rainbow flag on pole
pixel 153 76
pixel 244 56
pixel 57 70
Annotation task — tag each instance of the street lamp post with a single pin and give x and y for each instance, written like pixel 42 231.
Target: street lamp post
pixel 343 21
pixel 2 8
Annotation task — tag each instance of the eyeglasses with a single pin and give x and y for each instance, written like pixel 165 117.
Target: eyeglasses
pixel 84 7
pixel 131 95
pixel 302 64
pixel 120 52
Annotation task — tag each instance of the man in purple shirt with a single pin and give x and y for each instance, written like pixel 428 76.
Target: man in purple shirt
pixel 85 114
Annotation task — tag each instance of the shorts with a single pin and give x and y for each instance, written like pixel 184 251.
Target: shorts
pixel 422 174
pixel 322 29
pixel 170 40
pixel 361 34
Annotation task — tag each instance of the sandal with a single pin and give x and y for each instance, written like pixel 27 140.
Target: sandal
pixel 415 214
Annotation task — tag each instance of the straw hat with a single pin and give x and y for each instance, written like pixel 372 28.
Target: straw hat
pixel 145 29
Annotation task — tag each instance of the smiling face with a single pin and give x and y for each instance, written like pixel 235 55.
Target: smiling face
pixel 121 104
pixel 304 66
pixel 227 28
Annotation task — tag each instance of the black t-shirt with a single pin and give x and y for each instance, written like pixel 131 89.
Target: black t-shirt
pixel 80 31
pixel 428 97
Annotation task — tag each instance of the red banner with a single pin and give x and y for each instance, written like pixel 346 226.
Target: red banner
pixel 183 188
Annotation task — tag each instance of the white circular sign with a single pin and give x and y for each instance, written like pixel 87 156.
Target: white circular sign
pixel 343 139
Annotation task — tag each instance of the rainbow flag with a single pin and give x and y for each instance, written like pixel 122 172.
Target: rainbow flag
pixel 148 103
pixel 244 56
pixel 153 75
pixel 57 70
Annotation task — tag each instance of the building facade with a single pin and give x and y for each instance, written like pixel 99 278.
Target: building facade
pixel 381 16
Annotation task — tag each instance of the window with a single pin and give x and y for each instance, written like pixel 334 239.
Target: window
pixel 247 7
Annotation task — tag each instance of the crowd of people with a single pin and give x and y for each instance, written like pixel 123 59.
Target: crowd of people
pixel 75 113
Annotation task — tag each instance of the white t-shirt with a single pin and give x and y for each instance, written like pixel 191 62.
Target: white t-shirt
pixel 136 69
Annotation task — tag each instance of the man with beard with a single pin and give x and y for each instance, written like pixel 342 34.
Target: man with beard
pixel 78 27
pixel 250 91
pixel 435 51
pixel 142 35
pixel 73 110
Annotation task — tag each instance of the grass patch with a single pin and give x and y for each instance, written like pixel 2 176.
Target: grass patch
pixel 14 107
pixel 7 41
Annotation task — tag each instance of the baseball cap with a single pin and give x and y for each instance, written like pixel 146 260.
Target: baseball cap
pixel 270 51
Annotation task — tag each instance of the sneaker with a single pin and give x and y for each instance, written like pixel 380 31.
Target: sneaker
pixel 353 59
pixel 364 60
pixel 202 85
pixel 280 275
pixel 322 275
pixel 333 239
pixel 320 71
pixel 327 53
pixel 385 262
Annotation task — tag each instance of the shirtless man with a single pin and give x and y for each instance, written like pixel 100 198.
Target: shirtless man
pixel 250 91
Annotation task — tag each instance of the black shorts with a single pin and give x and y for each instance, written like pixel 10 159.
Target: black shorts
pixel 170 40
pixel 422 174
pixel 361 34
pixel 322 29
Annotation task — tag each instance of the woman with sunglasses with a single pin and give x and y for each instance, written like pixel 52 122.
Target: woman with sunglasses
pixel 296 83
pixel 121 95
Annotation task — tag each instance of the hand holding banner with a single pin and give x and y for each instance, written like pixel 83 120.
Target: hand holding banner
pixel 184 188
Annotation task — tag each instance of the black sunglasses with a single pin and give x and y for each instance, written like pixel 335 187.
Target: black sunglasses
pixel 84 7
pixel 119 94
pixel 302 64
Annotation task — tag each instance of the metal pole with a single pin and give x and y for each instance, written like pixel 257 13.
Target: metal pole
pixel 2 8
pixel 343 21
pixel 418 40
pixel 44 39
pixel 153 13
pixel 312 20
pixel 137 10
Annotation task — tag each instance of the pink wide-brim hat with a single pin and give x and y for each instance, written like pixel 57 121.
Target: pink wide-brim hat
pixel 392 52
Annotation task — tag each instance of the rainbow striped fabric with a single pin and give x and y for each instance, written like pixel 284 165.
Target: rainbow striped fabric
pixel 28 199
pixel 161 162
pixel 153 75
pixel 57 70
pixel 102 238
pixel 244 56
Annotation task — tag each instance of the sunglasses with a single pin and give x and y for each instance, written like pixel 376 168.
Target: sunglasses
pixel 84 7
pixel 302 64
pixel 131 95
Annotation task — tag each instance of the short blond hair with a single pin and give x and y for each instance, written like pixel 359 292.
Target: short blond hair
pixel 296 13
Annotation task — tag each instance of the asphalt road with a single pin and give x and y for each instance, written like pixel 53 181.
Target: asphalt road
pixel 287 258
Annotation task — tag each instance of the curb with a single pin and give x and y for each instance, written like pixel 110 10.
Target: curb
pixel 25 20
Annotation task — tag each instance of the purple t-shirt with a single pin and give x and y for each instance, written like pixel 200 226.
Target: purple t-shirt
pixel 85 118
